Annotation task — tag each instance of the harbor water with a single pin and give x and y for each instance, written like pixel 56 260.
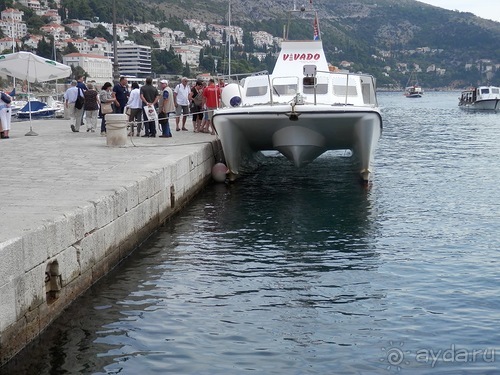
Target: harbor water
pixel 305 271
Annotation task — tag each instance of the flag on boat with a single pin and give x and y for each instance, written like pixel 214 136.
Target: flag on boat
pixel 316 28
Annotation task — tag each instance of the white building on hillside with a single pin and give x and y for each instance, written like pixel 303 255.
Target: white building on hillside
pixel 33 4
pixel 99 68
pixel 7 43
pixel 262 37
pixel 189 54
pixel 12 25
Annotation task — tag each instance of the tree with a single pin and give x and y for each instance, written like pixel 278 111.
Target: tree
pixel 77 71
pixel 186 72
pixel 100 32
pixel 70 48
pixel 175 65
pixel 44 49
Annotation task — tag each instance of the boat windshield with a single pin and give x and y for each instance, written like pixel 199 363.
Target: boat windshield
pixel 285 89
pixel 321 89
pixel 256 91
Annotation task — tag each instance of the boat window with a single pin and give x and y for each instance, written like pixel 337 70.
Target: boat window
pixel 256 91
pixel 309 81
pixel 342 90
pixel 495 90
pixel 485 90
pixel 321 89
pixel 285 89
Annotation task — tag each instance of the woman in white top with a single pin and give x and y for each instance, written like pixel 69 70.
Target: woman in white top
pixel 135 105
pixel 5 114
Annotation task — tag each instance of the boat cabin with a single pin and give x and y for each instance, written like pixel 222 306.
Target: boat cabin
pixel 306 77
pixel 475 94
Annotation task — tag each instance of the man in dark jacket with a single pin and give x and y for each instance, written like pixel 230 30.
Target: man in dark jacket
pixel 121 94
pixel 149 97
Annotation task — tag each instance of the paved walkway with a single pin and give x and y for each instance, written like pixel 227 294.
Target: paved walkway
pixel 44 176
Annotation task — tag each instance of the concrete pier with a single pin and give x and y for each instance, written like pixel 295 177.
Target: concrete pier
pixel 71 208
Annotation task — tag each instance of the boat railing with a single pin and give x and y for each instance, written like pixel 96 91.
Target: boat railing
pixel 325 88
pixel 339 88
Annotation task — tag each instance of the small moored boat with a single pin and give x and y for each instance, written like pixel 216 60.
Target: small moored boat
pixel 36 109
pixel 482 98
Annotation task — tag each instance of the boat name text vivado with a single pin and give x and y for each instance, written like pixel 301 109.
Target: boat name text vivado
pixel 301 56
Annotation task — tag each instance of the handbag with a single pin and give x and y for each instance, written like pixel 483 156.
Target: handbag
pixel 162 118
pixel 79 101
pixel 6 98
pixel 106 108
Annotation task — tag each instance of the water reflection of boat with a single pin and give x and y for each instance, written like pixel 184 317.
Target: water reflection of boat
pixel 36 109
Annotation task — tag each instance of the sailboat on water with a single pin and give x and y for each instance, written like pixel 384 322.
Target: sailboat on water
pixel 413 88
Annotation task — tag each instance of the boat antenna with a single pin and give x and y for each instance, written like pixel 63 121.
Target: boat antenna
pixel 303 10
pixel 229 41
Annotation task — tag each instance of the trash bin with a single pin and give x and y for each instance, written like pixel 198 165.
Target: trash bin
pixel 116 129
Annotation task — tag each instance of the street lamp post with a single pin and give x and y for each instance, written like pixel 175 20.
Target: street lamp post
pixel 116 67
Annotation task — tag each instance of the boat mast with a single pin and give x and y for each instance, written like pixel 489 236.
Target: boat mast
pixel 13 45
pixel 229 41
pixel 303 10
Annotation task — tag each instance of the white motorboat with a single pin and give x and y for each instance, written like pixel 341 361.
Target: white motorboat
pixel 302 110
pixel 58 105
pixel 482 98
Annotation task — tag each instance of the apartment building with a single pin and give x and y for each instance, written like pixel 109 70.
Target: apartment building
pixel 134 59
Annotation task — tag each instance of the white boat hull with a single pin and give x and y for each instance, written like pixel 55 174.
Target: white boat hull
pixel 315 130
pixel 482 105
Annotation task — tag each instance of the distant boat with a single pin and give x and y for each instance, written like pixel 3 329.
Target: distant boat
pixel 482 98
pixel 302 110
pixel 37 109
pixel 413 88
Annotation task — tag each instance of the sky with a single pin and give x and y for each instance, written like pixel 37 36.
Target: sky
pixel 489 9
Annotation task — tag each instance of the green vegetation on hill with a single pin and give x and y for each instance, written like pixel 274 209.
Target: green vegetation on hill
pixel 387 38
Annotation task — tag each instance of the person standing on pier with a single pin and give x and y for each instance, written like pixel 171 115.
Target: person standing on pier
pixel 149 97
pixel 135 106
pixel 196 97
pixel 181 102
pixel 5 114
pixel 211 100
pixel 166 107
pixel 75 114
pixel 82 86
pixel 106 96
pixel 91 107
pixel 121 94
